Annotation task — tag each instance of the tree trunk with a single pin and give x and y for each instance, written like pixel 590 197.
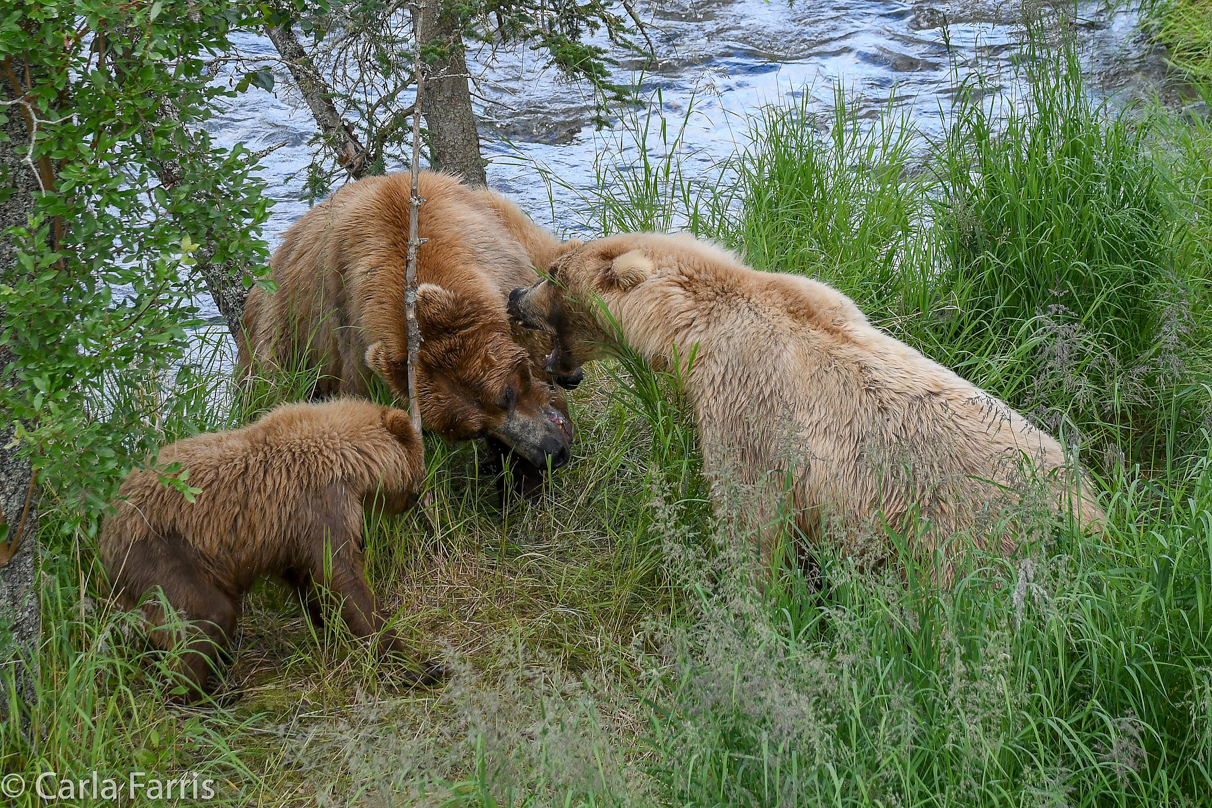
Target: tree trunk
pixel 20 618
pixel 315 91
pixel 454 143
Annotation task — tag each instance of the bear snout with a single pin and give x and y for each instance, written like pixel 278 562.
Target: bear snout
pixel 572 380
pixel 540 436
pixel 557 452
pixel 515 308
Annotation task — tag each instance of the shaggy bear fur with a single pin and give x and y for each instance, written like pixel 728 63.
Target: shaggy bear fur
pixel 339 307
pixel 283 496
pixel 794 391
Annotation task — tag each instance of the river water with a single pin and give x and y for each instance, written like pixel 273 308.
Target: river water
pixel 723 60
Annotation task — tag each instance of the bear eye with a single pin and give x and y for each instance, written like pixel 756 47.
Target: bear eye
pixel 508 398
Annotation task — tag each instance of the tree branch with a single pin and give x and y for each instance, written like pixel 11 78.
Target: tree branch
pixel 388 129
pixel 643 29
pixel 351 154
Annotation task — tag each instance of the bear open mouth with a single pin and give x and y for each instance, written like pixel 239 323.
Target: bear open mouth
pixel 557 418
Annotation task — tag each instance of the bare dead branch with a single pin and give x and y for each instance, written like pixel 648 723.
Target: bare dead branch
pixel 31 122
pixel 414 242
pixel 268 150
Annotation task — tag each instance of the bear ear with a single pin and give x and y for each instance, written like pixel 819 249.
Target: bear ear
pixel 441 310
pixel 399 425
pixel 629 270
pixel 378 360
pixel 567 247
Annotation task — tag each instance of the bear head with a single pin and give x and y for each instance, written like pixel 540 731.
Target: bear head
pixel 475 381
pixel 572 303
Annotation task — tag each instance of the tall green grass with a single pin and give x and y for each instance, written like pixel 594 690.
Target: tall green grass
pixel 1057 231
pixel 1077 675
pixel 1184 27
pixel 831 192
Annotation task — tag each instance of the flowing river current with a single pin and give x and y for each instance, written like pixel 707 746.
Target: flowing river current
pixel 720 61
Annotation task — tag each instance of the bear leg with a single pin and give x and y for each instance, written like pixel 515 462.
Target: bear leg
pixel 342 570
pixel 209 638
pixel 301 582
pixel 211 621
pixel 206 615
pixel 360 611
pixel 335 542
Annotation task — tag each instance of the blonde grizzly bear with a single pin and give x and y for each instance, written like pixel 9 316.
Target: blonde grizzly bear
pixel 793 390
pixel 339 308
pixel 283 496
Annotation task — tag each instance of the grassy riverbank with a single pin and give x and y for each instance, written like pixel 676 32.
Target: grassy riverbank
pixel 607 644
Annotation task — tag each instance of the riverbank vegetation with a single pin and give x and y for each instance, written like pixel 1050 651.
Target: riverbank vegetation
pixel 1184 28
pixel 608 646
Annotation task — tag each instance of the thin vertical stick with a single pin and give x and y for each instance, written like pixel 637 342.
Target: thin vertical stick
pixel 428 505
pixel 414 206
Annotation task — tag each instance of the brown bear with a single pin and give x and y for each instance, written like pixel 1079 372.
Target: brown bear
pixel 283 496
pixel 339 307
pixel 794 391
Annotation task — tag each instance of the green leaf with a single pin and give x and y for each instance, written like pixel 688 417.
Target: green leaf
pixel 262 77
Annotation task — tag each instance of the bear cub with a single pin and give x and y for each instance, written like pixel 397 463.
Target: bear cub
pixel 283 496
